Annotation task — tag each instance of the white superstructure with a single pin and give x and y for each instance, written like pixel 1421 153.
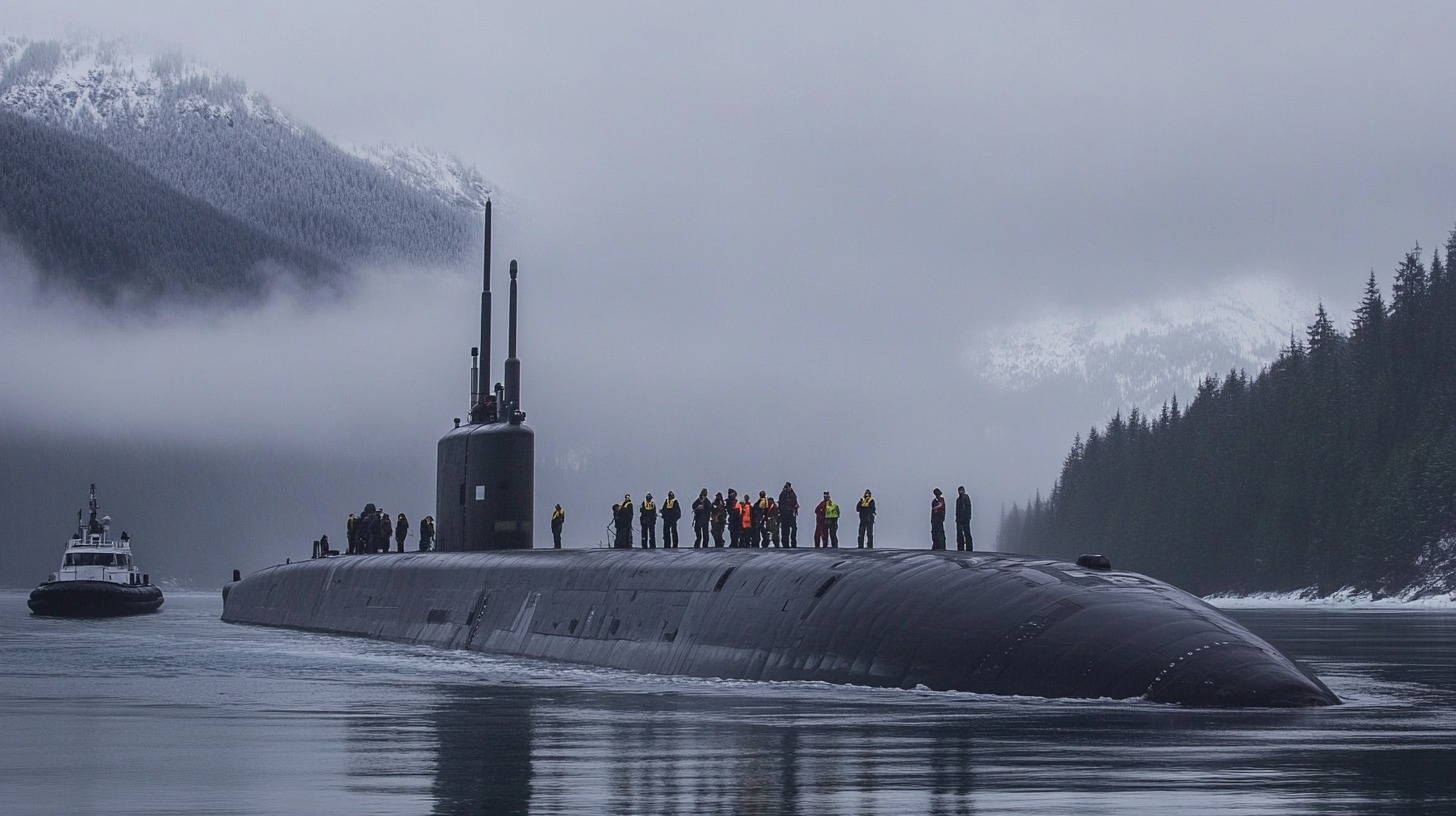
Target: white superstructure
pixel 93 555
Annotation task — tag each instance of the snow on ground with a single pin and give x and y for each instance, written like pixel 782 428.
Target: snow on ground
pixel 1345 598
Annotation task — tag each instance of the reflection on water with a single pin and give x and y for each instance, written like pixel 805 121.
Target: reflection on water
pixel 210 718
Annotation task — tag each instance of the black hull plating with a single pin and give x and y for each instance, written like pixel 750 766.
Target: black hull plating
pixel 985 623
pixel 93 599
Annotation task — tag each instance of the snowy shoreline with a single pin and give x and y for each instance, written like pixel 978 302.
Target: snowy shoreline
pixel 1345 598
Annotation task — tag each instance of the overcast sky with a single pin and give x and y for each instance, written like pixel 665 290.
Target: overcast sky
pixel 785 223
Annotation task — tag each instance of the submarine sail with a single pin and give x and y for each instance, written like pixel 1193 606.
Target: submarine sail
pixel 485 477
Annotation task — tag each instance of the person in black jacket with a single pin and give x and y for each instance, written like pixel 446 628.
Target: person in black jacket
pixel 401 532
pixel 937 521
pixel 671 512
pixel 866 509
pixel 648 518
pixel 963 520
pixel 702 514
pixel 719 519
pixel 558 520
pixel 622 521
pixel 789 515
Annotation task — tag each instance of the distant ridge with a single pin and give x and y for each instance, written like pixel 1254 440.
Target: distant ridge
pixel 209 138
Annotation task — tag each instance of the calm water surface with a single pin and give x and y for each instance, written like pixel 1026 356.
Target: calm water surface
pixel 180 713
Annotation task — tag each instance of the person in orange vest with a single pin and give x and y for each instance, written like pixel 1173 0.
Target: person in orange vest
pixel 937 521
pixel 745 528
pixel 866 508
pixel 671 512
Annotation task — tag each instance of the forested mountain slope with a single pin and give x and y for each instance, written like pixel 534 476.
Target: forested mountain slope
pixel 1334 467
pixel 71 204
pixel 210 138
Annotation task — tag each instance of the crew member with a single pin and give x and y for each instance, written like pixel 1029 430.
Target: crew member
pixel 386 531
pixel 647 517
pixel 719 518
pixel 755 536
pixel 735 530
pixel 427 533
pixel 963 520
pixel 401 530
pixel 937 521
pixel 866 508
pixel 821 527
pixel 349 533
pixel 702 515
pixel 771 523
pixel 622 521
pixel 831 521
pixel 789 515
pixel 671 512
pixel 558 520
pixel 745 526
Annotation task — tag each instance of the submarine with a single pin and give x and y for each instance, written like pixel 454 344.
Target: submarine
pixel 985 623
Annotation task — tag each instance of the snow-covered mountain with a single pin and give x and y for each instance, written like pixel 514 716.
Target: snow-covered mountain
pixel 1140 356
pixel 92 86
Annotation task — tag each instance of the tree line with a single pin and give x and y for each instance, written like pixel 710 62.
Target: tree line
pixel 1334 467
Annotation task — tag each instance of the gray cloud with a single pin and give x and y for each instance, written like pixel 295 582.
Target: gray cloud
pixel 757 240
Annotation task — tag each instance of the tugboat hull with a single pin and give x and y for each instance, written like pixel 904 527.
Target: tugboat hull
pixel 93 599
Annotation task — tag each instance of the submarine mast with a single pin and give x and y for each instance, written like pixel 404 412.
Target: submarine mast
pixel 486 469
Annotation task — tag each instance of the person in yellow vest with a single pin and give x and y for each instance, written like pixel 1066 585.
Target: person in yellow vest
pixel 671 512
pixel 831 521
pixel 866 509
pixel 558 520
pixel 647 516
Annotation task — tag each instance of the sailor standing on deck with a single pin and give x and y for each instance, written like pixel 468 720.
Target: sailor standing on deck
pixel 734 527
pixel 671 512
pixel 349 533
pixel 831 521
pixel 648 519
pixel 719 519
pixel 401 530
pixel 622 521
pixel 963 520
pixel 702 514
pixel 789 515
pixel 866 509
pixel 427 533
pixel 558 520
pixel 821 527
pixel 937 521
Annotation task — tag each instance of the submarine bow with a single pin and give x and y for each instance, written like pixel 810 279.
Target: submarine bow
pixel 987 623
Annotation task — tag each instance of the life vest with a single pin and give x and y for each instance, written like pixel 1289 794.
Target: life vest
pixel 558 514
pixel 831 510
pixel 669 504
pixel 649 507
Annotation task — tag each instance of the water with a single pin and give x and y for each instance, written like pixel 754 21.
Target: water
pixel 180 713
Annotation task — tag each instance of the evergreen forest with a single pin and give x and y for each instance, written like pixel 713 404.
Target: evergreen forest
pixel 1333 468
pixel 91 219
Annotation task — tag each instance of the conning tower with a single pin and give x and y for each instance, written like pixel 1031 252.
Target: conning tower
pixel 485 477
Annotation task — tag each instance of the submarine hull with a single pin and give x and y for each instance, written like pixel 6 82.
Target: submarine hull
pixel 985 623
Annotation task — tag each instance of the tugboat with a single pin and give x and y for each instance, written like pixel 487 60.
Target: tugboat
pixel 97 578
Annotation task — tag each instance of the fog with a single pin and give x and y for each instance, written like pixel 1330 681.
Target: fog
pixel 758 243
